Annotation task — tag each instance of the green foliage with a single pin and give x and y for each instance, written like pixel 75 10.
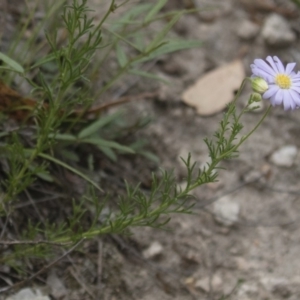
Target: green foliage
pixel 56 141
pixel 297 2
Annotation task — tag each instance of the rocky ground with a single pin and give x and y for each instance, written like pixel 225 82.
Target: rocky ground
pixel 242 243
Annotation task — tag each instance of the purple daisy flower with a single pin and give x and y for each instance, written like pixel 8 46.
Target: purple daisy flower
pixel 283 82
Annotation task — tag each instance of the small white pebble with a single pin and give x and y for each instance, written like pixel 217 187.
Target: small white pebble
pixel 155 249
pixel 285 156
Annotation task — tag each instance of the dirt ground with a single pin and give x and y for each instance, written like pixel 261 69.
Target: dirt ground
pixel 257 256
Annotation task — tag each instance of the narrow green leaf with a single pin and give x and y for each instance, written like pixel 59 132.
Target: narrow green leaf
pixel 171 46
pixel 132 13
pixel 98 124
pixel 12 63
pixel 45 176
pixel 139 40
pixel 148 75
pixel 109 144
pixel 70 155
pixel 297 2
pixel 63 137
pixel 58 162
pixel 155 9
pixel 109 153
pixel 149 155
pixel 160 36
pixel 44 60
pixel 121 56
pixel 120 37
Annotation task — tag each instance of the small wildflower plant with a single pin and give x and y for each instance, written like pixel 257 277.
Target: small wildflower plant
pixel 54 136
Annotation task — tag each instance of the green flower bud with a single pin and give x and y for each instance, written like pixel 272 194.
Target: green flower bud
pixel 255 97
pixel 259 85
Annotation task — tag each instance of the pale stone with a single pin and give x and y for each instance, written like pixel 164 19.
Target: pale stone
pixel 285 156
pixel 247 30
pixel 58 289
pixel 155 249
pixel 226 211
pixel 277 32
pixel 215 283
pixel 28 294
pixel 214 90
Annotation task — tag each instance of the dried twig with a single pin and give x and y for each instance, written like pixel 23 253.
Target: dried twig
pixel 9 243
pixel 101 107
pixel 99 269
pixel 81 282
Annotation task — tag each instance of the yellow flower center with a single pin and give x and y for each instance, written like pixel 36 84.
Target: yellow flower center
pixel 283 81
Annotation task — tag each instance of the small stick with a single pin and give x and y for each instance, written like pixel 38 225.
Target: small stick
pixel 82 284
pixel 99 108
pixel 15 242
pixel 99 269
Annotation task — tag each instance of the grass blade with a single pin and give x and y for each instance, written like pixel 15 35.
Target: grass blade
pixel 148 75
pixel 64 165
pixel 160 36
pixel 44 60
pixel 135 11
pixel 63 137
pixel 171 46
pixel 109 144
pixel 109 153
pixel 12 63
pixel 98 124
pixel 121 56
pixel 155 9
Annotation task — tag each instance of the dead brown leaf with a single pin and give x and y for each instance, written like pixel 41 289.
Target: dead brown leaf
pixel 13 104
pixel 212 92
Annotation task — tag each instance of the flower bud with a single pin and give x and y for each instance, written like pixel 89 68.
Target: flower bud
pixel 255 97
pixel 259 85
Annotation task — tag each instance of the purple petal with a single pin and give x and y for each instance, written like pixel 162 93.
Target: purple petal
pixel 273 102
pixel 295 96
pixel 278 97
pixel 288 102
pixel 295 88
pixel 295 79
pixel 261 64
pixel 289 68
pixel 270 60
pixel 271 91
pixel 261 73
pixel 279 64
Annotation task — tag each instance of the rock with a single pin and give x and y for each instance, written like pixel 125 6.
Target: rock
pixel 242 264
pixel 247 30
pixel 154 250
pixel 28 294
pixel 277 32
pixel 248 291
pixel 226 211
pixel 214 90
pixel 57 287
pixel 208 283
pixel 285 156
pixel 278 286
pixel 251 176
